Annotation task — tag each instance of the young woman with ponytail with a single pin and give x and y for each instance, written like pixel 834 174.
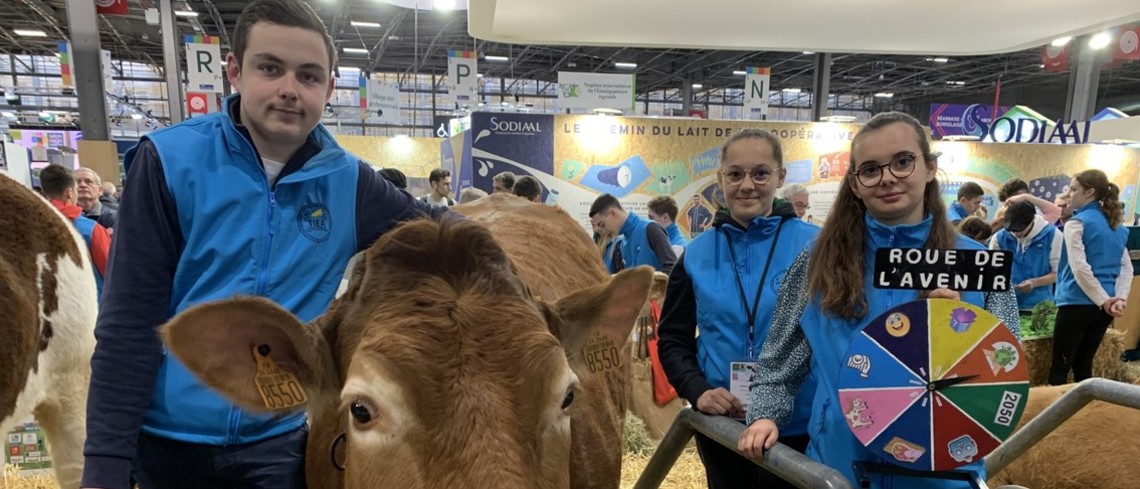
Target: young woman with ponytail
pixel 890 198
pixel 1094 277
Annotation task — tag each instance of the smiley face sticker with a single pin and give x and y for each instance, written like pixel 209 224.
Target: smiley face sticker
pixel 898 324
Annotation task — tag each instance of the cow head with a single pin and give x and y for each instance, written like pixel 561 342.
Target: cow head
pixel 448 371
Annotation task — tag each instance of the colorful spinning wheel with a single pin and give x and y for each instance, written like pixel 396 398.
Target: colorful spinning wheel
pixel 933 384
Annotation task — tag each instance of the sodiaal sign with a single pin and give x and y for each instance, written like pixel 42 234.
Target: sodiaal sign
pixel 596 91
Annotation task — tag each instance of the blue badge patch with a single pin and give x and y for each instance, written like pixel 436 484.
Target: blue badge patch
pixel 315 222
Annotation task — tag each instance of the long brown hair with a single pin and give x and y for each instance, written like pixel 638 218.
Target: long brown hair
pixel 1107 193
pixel 836 271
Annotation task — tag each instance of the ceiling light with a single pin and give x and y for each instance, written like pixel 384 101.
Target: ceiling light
pixel 1061 41
pixel 1041 66
pixel 940 60
pixel 365 24
pixel 185 13
pixel 628 66
pixel 884 95
pixel 29 33
pixel 443 5
pixel 792 90
pixel 698 86
pixel 480 75
pixel 356 50
pixel 838 118
pixel 1099 41
pixel 739 72
pixel 9 115
pixel 496 58
pixel 809 52
pixel 959 83
pixel 137 117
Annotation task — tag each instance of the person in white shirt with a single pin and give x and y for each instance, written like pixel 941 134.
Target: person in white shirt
pixel 440 195
pixel 1036 245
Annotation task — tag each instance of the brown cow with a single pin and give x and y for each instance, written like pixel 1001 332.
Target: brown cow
pixel 1096 448
pixel 453 356
pixel 47 322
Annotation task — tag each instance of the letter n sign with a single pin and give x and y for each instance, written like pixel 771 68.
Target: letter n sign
pixel 204 68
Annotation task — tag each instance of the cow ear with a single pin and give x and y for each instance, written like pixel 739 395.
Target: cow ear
pixel 660 283
pixel 610 309
pixel 217 342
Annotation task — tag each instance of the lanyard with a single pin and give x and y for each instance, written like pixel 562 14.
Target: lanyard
pixel 755 308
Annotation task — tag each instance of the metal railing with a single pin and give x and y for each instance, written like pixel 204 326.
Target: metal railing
pixel 1058 412
pixel 781 460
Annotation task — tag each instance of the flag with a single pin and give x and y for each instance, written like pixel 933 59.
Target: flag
pixel 111 7
pixel 1055 59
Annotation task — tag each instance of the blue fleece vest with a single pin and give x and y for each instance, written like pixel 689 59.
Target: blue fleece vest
pixel 289 243
pixel 1030 262
pixel 955 212
pixel 635 250
pixel 721 317
pixel 86 226
pixel 675 237
pixel 1104 249
pixel 832 442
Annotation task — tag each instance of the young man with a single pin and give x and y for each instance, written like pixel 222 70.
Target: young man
pixel 638 241
pixel 257 199
pixel 440 196
pixel 1036 247
pixel 90 189
pixel 663 210
pixel 699 217
pixel 503 183
pixel 59 186
pixel 969 198
pixel 528 188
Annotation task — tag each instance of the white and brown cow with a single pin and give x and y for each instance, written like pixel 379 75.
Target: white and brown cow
pixel 485 353
pixel 47 322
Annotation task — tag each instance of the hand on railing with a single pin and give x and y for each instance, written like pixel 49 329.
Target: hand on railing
pixel 719 401
pixel 757 438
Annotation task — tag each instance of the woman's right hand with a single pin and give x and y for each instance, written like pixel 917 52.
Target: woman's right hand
pixel 759 436
pixel 1114 307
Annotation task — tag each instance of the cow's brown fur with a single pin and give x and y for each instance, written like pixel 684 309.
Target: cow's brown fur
pixel 461 320
pixel 30 228
pixel 1096 448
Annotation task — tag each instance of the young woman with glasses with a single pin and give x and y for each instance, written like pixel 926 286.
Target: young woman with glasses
pixel 890 199
pixel 725 285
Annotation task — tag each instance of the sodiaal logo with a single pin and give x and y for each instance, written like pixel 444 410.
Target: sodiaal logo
pixel 515 127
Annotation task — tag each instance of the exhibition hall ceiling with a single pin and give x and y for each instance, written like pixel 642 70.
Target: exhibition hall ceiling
pixel 707 43
pixel 963 28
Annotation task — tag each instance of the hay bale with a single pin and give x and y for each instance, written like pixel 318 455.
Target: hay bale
pixel 13 480
pixel 1106 363
pixel 635 439
pixel 687 473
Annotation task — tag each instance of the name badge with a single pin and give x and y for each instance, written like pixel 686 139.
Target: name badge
pixel 740 379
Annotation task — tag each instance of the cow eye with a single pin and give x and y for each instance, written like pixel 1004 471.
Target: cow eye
pixel 360 412
pixel 569 399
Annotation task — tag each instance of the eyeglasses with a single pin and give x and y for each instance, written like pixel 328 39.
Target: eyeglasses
pixel 760 175
pixel 801 205
pixel 901 166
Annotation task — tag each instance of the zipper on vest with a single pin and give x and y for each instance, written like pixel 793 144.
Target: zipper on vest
pixel 235 419
pixel 264 272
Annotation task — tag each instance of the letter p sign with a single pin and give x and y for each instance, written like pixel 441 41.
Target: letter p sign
pixel 461 71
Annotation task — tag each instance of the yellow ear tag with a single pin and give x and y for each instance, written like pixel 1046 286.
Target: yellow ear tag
pixel 601 354
pixel 279 389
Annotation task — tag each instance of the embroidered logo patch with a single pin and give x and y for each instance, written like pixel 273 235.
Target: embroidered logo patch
pixel 315 222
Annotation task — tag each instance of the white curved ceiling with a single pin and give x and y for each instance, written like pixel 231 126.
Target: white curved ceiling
pixel 947 27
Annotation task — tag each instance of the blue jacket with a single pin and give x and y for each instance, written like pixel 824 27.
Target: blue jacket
pixel 200 222
pixel 1030 262
pixel 955 212
pixel 1104 248
pixel 721 317
pixel 675 237
pixel 86 226
pixel 643 242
